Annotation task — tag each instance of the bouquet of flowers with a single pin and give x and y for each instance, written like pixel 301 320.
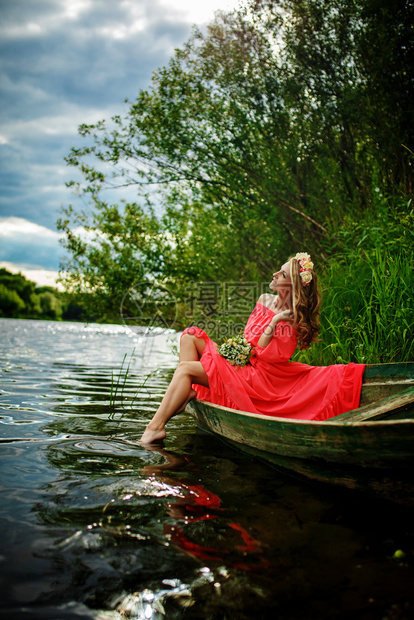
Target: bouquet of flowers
pixel 236 350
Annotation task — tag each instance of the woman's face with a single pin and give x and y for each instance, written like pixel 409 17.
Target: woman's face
pixel 281 279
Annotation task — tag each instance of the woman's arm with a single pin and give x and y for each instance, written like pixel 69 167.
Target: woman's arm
pixel 266 337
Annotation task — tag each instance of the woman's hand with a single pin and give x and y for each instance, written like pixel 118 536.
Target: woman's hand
pixel 286 315
pixel 266 337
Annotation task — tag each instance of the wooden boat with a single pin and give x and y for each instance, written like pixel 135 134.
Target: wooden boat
pixel 370 448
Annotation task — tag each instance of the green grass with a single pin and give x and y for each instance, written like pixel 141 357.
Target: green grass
pixel 367 313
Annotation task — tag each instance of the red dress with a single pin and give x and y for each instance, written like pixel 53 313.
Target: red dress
pixel 271 384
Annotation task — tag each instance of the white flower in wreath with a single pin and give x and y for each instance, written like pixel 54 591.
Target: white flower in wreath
pixel 302 256
pixel 307 264
pixel 306 277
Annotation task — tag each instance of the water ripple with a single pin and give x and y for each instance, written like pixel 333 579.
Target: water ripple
pixel 94 525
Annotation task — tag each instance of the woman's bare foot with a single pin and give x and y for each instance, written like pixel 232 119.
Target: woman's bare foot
pixel 150 435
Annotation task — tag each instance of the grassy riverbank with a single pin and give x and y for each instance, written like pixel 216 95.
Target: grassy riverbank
pixel 368 310
pixel 367 313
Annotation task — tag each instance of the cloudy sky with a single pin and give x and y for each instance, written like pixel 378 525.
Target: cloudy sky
pixel 63 63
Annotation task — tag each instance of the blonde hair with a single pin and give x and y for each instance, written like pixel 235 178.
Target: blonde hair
pixel 306 303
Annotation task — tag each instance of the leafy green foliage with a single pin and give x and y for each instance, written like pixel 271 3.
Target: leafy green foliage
pixel 11 304
pixel 352 61
pixel 368 305
pixel 214 137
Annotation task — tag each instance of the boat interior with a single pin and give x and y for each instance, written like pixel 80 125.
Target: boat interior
pixel 387 393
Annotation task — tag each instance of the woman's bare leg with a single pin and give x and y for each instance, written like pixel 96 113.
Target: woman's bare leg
pixel 177 394
pixel 191 348
pixel 191 396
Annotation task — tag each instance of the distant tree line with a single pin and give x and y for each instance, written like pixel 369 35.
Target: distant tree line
pixel 286 126
pixel 22 298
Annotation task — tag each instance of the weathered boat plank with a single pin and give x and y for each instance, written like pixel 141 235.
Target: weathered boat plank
pixel 372 392
pixel 399 405
pixel 398 371
pixel 372 443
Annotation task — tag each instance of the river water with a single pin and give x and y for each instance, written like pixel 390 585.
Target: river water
pixel 95 526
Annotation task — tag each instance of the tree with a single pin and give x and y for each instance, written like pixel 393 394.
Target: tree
pixel 50 305
pixel 21 298
pixel 18 283
pixel 266 134
pixel 215 137
pixel 11 303
pixel 355 60
pixel 120 247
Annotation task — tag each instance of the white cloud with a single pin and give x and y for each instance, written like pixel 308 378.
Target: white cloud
pixel 64 63
pixel 42 277
pixel 38 22
pixel 16 226
pixel 199 12
pixel 72 9
pixel 18 31
pixel 64 124
pixel 25 242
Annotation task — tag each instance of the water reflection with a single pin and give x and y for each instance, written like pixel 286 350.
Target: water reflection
pixel 201 529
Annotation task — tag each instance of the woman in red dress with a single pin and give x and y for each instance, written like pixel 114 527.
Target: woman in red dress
pixel 270 384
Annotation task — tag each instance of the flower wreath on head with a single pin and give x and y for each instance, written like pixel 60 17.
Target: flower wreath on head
pixel 305 267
